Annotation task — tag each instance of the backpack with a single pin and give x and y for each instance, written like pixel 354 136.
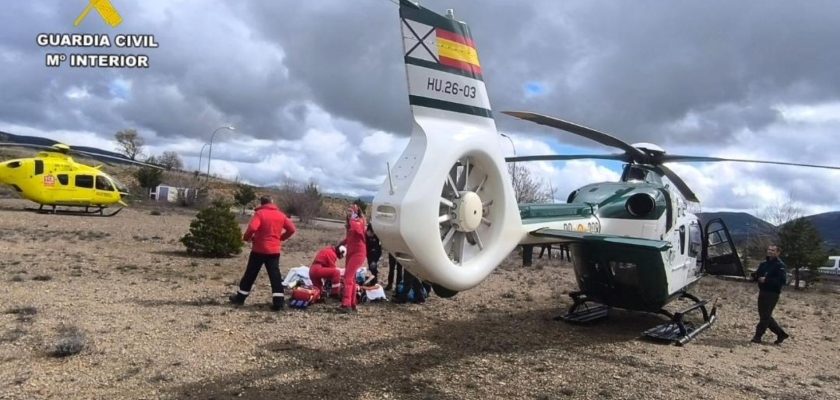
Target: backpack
pixel 303 296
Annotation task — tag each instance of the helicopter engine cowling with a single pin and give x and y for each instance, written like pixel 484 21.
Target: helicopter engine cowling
pixel 640 204
pixel 446 210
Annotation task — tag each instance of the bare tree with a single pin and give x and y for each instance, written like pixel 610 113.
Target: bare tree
pixel 525 187
pixel 170 160
pixel 305 201
pixel 780 212
pixel 799 241
pixel 129 143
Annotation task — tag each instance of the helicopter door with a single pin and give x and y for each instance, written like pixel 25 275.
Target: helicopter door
pixel 719 254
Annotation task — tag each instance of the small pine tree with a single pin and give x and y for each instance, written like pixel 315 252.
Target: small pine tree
pixel 244 195
pixel 214 232
pixel 801 245
pixel 149 177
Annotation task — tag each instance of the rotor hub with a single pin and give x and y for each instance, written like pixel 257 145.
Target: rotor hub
pixel 468 211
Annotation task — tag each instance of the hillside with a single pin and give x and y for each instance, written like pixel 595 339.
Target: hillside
pixel 333 206
pixel 828 224
pixel 742 226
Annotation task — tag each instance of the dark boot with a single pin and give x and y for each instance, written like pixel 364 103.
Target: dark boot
pixel 277 303
pixel 781 338
pixel 237 299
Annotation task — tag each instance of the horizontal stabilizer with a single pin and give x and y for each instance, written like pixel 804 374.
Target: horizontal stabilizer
pixel 571 236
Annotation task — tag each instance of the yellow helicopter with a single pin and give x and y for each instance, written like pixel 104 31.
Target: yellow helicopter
pixel 53 179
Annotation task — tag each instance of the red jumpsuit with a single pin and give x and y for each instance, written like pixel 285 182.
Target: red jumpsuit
pixel 324 267
pixel 356 257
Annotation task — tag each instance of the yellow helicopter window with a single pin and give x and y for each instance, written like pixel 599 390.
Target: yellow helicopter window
pixel 102 183
pixel 63 180
pixel 84 181
pixel 39 167
pixel 13 164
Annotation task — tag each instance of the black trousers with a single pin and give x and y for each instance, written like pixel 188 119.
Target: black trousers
pixel 411 283
pixel 766 303
pixel 272 265
pixel 395 271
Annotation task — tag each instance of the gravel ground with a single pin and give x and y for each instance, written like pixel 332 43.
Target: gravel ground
pixel 147 321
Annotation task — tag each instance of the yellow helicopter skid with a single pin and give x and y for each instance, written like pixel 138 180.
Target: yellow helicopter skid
pixel 93 211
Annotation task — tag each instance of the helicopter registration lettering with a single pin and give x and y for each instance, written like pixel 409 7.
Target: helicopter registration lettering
pixel 49 180
pixel 591 227
pixel 449 87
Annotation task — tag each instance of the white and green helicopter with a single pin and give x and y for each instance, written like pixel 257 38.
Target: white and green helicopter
pixel 447 210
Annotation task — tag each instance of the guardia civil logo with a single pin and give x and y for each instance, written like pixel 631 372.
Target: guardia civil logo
pixel 105 9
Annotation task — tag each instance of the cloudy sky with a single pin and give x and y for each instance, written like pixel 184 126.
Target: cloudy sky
pixel 316 89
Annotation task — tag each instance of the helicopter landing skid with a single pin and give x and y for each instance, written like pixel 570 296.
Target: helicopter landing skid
pixel 88 211
pixel 679 331
pixel 584 310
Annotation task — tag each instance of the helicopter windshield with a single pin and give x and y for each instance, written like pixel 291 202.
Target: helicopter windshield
pixel 637 173
pixel 119 185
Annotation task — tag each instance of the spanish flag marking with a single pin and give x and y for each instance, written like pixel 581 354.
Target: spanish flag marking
pixel 457 51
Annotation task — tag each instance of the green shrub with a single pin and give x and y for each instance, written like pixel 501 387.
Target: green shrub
pixel 214 233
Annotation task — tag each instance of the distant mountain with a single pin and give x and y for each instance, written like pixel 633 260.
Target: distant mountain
pixel 366 198
pixel 740 224
pixel 828 224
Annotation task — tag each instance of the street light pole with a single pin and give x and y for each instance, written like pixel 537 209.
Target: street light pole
pixel 210 149
pixel 200 156
pixel 514 172
pixel 511 142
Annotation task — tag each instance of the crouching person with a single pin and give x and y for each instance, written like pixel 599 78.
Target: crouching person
pixel 324 267
pixel 267 230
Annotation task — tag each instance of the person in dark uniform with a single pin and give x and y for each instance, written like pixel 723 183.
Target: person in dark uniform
pixel 374 251
pixel 771 277
pixel 395 273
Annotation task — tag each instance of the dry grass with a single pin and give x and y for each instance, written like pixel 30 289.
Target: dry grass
pixel 162 329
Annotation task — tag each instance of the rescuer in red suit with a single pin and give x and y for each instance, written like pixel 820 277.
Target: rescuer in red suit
pixel 324 267
pixel 356 255
pixel 267 231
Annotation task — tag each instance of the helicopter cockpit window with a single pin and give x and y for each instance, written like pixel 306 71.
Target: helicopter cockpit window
pixel 102 183
pixel 13 164
pixel 39 167
pixel 695 240
pixel 84 181
pixel 63 180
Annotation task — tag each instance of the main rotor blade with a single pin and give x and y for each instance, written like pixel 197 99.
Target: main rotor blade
pixel 561 157
pixel 98 156
pixel 675 157
pixel 580 130
pixel 103 157
pixel 679 183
